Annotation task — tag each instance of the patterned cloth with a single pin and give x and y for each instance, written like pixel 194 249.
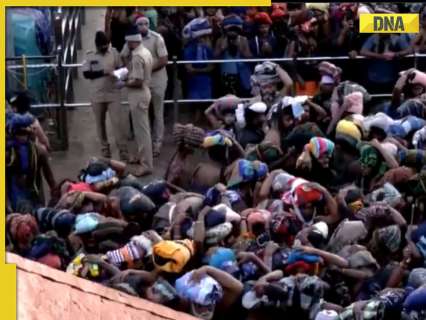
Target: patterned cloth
pixel 129 254
pixel 320 146
pixel 246 171
pixel 206 292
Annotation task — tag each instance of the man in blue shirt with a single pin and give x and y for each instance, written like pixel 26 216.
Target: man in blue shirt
pixel 198 48
pixel 383 70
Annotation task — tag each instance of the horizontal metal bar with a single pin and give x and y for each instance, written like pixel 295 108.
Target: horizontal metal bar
pixel 88 104
pixel 76 65
pixel 34 66
pixel 29 58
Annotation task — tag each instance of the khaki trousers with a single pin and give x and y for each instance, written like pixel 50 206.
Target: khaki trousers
pixel 139 109
pixel 158 93
pixel 117 116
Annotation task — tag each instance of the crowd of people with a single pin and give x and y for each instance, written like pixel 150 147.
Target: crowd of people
pixel 303 198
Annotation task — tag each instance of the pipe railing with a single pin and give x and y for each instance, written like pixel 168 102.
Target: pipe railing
pixel 322 58
pixel 65 62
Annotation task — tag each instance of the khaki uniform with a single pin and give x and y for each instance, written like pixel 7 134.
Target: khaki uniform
pixel 105 97
pixel 154 42
pixel 139 63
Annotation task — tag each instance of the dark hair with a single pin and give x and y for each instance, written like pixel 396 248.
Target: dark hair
pixel 101 39
pixel 21 101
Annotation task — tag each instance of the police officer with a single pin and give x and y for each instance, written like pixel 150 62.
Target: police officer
pixel 105 95
pixel 139 63
pixel 154 42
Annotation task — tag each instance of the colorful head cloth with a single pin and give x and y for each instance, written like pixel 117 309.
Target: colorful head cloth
pixel 369 156
pixel 320 146
pixel 216 139
pixel 247 171
pixel 349 130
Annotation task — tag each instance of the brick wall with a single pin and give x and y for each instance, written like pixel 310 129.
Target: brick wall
pixel 48 294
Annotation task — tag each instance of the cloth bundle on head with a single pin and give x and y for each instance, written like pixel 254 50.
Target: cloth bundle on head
pixel 353 104
pixel 300 194
pixel 225 260
pixel 379 120
pixel 282 182
pixel 419 139
pixel 232 22
pixel 216 138
pixel 317 148
pixel 312 290
pixel 412 107
pixel 131 253
pixel 243 171
pixel 300 262
pixel 264 73
pixel 157 191
pixel 387 194
pixel 50 249
pixel 361 259
pixel 348 131
pixel 134 204
pixel 416 300
pixel 172 256
pixel 266 152
pixel 188 135
pixel 372 310
pixel 388 237
pixel 87 222
pixel 412 158
pixel 417 278
pixel 403 127
pixel 165 290
pixel 262 18
pixel 415 76
pixel 329 70
pixel 21 229
pixel 62 221
pixel 320 146
pixel 97 171
pixel 347 233
pixel 215 234
pixel 284 227
pixel 370 158
pixel 225 103
pixel 196 28
pixel 230 215
pixel 294 104
pixel 206 292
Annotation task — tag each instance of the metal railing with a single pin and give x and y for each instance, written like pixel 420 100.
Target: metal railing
pixel 66 23
pixel 66 63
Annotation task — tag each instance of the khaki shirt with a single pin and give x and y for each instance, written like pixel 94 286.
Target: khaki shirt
pixel 103 89
pixel 154 42
pixel 139 64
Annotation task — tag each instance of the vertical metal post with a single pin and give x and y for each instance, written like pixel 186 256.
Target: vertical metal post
pixel 24 72
pixel 175 91
pixel 63 126
pixel 62 112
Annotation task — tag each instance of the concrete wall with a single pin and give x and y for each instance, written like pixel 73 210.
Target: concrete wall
pixel 48 294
